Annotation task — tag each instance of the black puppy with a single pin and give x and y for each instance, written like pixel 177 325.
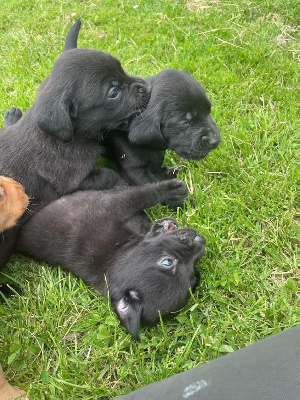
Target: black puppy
pixel 106 239
pixel 53 148
pixel 177 118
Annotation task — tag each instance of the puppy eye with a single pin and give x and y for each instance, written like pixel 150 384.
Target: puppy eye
pixel 186 123
pixel 113 92
pixel 167 262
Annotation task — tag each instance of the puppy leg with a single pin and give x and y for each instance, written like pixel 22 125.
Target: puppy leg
pixel 12 116
pixel 138 198
pixel 100 179
pixel 8 392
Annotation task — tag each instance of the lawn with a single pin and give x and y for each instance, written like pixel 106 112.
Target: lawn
pixel 61 340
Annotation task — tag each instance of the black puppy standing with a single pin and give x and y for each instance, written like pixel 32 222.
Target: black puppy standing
pixel 53 148
pixel 106 239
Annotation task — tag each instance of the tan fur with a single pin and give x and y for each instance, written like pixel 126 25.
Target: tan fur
pixel 13 203
pixel 8 392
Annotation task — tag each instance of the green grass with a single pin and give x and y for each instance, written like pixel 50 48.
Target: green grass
pixel 61 340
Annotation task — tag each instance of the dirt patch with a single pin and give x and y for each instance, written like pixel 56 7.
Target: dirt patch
pixel 202 5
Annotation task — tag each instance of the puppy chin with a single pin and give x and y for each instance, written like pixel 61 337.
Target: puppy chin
pixel 192 155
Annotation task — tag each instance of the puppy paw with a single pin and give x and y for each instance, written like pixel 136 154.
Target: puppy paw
pixel 12 116
pixel 182 204
pixel 176 191
pixel 170 172
pixel 174 204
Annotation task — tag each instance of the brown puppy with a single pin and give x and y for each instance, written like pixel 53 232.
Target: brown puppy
pixel 8 392
pixel 13 203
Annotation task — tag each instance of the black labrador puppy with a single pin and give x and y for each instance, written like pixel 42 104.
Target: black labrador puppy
pixel 105 238
pixel 52 150
pixel 177 118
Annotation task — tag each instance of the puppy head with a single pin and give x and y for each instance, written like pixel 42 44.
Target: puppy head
pixel 87 94
pixel 13 202
pixel 177 117
pixel 156 275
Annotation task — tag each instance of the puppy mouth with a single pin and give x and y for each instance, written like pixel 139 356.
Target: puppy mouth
pixel 166 225
pixel 169 226
pixel 193 155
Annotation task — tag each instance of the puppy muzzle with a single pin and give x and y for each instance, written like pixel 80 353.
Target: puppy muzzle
pixel 190 237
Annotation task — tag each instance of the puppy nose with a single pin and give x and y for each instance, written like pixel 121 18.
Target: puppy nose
pixel 199 240
pixel 212 139
pixel 214 142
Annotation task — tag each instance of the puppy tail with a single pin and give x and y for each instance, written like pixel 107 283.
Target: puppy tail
pixel 72 36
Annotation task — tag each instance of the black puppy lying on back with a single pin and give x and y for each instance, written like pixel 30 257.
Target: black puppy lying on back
pixel 52 150
pixel 106 239
pixel 177 117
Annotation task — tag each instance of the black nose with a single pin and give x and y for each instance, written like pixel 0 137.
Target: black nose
pixel 199 239
pixel 214 142
pixel 212 139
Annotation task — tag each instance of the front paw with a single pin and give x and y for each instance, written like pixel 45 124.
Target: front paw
pixel 12 116
pixel 177 192
pixel 170 172
pixel 181 204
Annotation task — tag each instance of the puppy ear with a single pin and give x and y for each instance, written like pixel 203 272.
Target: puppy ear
pixel 145 129
pixel 52 113
pixel 129 310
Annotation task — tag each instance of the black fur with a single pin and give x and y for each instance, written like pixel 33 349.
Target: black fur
pixel 53 148
pixel 71 39
pixel 177 118
pixel 106 239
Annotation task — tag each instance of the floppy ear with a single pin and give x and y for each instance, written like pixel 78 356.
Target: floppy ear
pixel 52 113
pixel 129 310
pixel 145 129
